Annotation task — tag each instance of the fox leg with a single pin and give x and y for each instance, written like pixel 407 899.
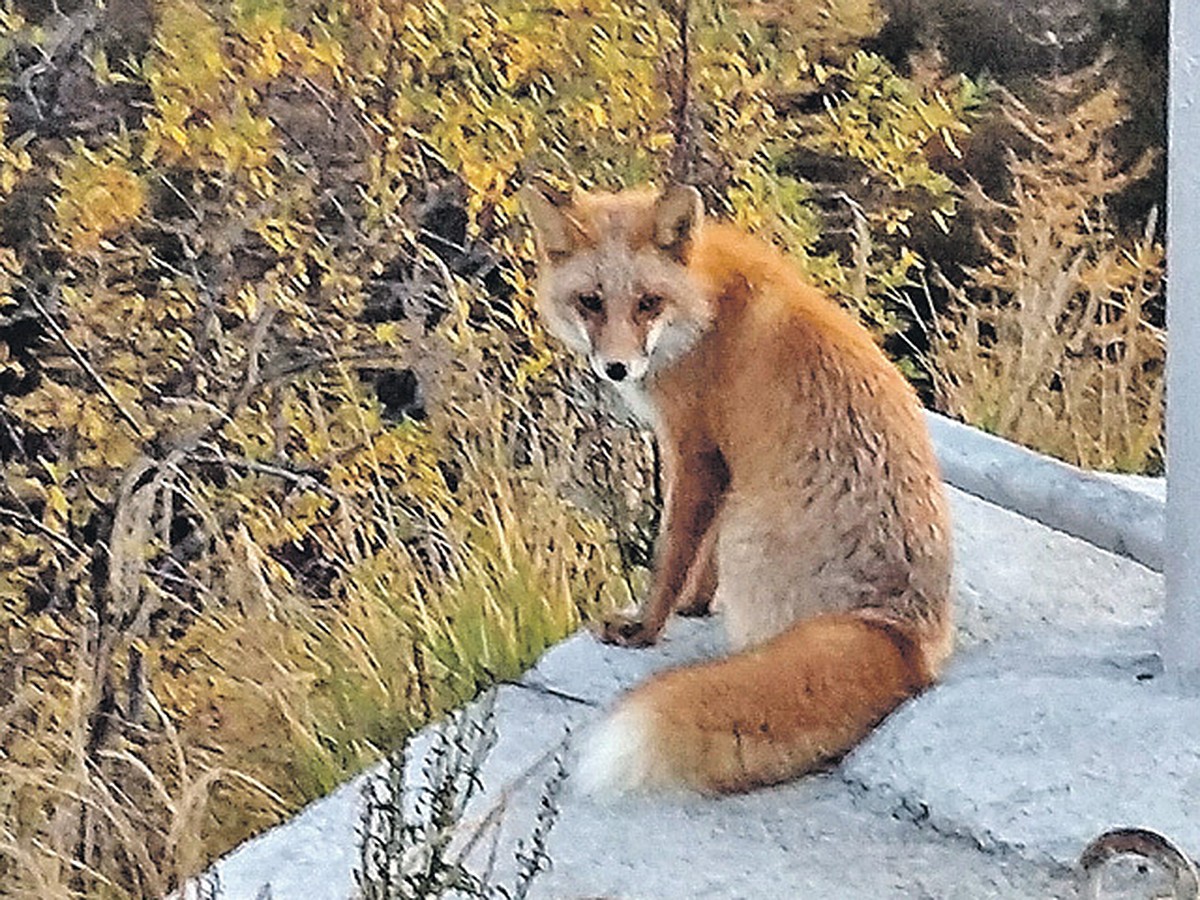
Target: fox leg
pixel 696 480
pixel 696 596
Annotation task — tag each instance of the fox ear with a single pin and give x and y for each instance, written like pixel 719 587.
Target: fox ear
pixel 677 213
pixel 556 230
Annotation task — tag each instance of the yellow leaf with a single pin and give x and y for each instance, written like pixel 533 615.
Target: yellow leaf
pixel 57 507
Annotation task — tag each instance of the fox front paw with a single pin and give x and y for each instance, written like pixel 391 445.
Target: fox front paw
pixel 696 609
pixel 625 631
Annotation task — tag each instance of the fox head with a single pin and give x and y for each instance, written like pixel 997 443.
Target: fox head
pixel 613 281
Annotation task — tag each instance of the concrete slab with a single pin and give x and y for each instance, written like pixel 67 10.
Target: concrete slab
pixel 1049 728
pixel 1041 765
pixel 1014 576
pixel 1105 511
pixel 807 839
pixel 1151 486
pixel 313 856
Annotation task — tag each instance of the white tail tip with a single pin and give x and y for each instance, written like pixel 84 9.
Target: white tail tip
pixel 617 754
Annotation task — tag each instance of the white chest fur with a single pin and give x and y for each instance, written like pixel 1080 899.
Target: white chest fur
pixel 639 402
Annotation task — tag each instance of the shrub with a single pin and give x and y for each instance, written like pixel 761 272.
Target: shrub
pixel 1053 342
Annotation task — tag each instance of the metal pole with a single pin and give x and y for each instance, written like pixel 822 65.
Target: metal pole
pixel 1181 622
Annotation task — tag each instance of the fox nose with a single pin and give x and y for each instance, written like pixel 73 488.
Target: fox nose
pixel 616 371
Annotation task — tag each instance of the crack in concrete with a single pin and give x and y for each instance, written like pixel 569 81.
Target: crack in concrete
pixel 888 801
pixel 550 691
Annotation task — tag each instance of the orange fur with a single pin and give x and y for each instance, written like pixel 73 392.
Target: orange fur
pixel 777 710
pixel 800 486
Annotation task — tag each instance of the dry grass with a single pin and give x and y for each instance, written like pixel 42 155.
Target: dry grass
pixel 1053 342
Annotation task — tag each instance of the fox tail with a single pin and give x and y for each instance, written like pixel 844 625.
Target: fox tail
pixel 761 716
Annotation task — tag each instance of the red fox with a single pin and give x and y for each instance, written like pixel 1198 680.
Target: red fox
pixel 802 497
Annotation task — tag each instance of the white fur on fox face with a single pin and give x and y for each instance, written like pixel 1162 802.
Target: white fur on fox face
pixel 559 316
pixel 653 333
pixel 668 340
pixel 568 329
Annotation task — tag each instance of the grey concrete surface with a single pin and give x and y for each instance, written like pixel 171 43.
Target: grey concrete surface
pixel 315 854
pixel 1051 725
pixel 1125 516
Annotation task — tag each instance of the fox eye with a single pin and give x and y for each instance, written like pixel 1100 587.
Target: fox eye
pixel 650 304
pixel 590 302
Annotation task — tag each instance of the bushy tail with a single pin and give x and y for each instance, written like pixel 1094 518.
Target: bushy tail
pixel 759 717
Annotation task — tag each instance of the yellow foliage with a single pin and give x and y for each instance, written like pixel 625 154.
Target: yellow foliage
pixel 890 123
pixel 206 91
pixel 98 194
